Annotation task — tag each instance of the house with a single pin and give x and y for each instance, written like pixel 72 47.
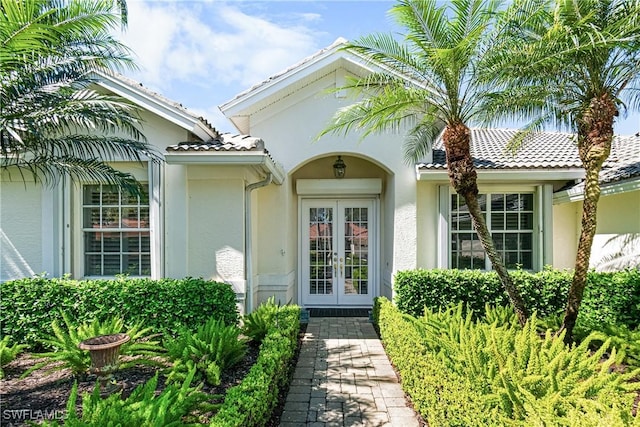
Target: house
pixel 322 223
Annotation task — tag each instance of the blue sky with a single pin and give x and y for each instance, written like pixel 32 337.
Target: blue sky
pixel 202 53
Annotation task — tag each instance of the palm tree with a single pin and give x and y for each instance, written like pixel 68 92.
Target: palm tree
pixel 53 123
pixel 574 65
pixel 430 80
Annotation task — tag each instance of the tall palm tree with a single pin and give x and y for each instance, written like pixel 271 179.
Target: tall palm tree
pixel 430 80
pixel 53 124
pixel 574 65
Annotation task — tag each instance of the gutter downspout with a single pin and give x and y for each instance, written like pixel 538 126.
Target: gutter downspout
pixel 248 270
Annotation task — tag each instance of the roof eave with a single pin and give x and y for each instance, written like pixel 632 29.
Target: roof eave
pixel 154 105
pixel 507 174
pixel 256 159
pixel 576 194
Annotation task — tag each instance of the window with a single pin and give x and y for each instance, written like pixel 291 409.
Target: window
pixel 509 217
pixel 115 232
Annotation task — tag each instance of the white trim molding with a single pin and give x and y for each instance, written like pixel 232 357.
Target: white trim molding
pixel 318 187
pixel 576 194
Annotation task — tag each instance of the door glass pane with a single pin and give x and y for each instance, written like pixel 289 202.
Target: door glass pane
pixel 356 251
pixel 321 252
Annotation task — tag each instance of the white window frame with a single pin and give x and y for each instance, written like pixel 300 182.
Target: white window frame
pixel 118 227
pixel 148 172
pixel 542 233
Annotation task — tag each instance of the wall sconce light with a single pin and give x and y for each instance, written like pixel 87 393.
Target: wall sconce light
pixel 339 168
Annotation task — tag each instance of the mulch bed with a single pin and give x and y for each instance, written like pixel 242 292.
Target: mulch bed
pixel 44 395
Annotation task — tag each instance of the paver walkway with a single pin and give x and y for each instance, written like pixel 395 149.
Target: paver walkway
pixel 344 378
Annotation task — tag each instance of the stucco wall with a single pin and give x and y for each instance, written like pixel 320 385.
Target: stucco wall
pixel 428 212
pixel 289 128
pixel 20 229
pixel 566 228
pixel 215 224
pixel 617 241
pixel 618 222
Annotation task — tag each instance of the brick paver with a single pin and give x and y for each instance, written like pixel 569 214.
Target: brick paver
pixel 343 378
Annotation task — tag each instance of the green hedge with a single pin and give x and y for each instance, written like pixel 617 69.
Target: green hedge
pixel 251 403
pixel 612 298
pixel 28 306
pixel 461 372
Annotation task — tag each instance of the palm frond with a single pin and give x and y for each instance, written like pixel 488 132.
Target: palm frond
pixel 50 170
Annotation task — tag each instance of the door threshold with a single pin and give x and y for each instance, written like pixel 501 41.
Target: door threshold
pixel 339 312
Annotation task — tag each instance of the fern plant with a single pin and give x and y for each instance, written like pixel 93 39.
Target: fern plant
pixel 531 380
pixel 257 323
pixel 624 340
pixel 500 315
pixel 142 408
pixel 8 352
pixel 212 349
pixel 65 343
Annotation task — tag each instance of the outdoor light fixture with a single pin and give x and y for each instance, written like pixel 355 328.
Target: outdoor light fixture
pixel 339 168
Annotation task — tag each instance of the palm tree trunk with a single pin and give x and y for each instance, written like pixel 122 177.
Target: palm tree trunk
pixel 463 177
pixel 595 134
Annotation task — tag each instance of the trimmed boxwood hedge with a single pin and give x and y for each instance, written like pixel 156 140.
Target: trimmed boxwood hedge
pixel 611 298
pixel 252 402
pixel 28 306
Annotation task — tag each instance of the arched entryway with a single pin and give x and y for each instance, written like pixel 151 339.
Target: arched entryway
pixel 339 232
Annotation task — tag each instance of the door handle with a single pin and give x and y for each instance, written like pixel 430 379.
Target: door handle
pixel 341 267
pixel 335 264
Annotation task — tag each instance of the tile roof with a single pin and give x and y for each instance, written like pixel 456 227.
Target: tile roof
pixel 623 162
pixel 156 96
pixel 540 150
pixel 224 142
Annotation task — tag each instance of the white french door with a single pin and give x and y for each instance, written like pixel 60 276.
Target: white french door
pixel 338 252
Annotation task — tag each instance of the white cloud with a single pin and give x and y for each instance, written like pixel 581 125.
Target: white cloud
pixel 211 43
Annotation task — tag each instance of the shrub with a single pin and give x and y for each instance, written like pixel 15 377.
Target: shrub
pixel 252 402
pixel 28 306
pixel 8 352
pixel 65 342
pixel 212 349
pixel 461 372
pixel 142 408
pixel 609 298
pixel 257 324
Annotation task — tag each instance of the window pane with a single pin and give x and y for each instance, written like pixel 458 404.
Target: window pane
pixel 111 217
pixel 464 222
pixel 110 195
pixel 511 221
pixel 527 202
pixel 526 241
pixel 91 218
pixel 91 195
pixel 512 202
pixel 111 265
pixel 526 221
pixel 111 241
pixel 93 265
pixel 497 221
pixel 454 202
pixel 511 242
pixel 92 242
pixel 497 202
pixel 526 259
pixel 511 260
pixel 498 241
pixel 478 262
